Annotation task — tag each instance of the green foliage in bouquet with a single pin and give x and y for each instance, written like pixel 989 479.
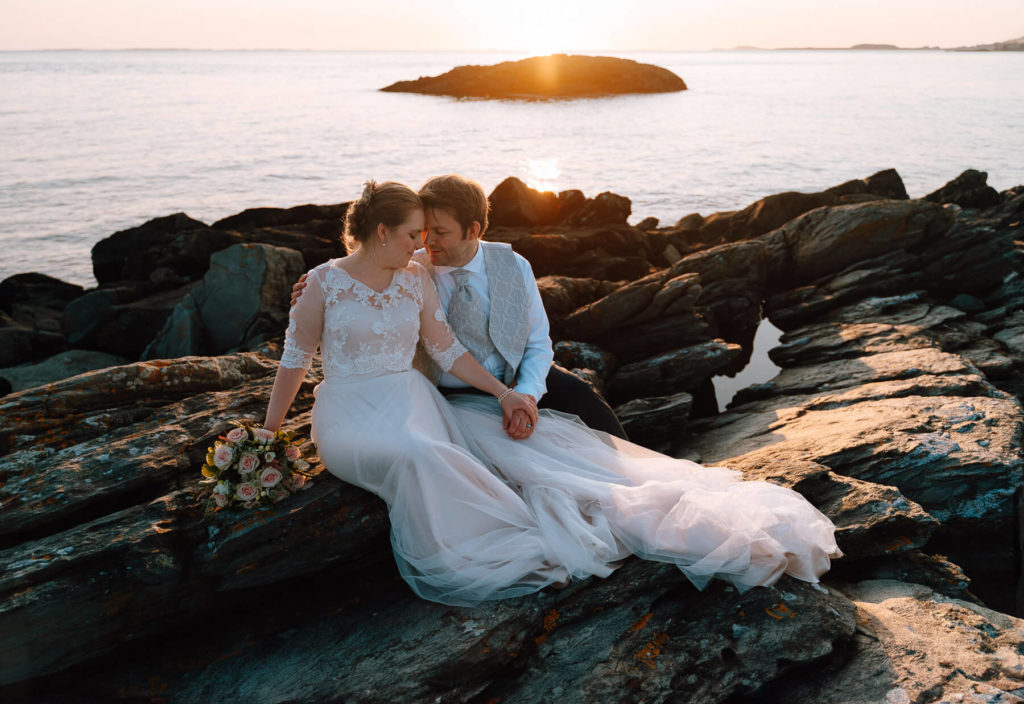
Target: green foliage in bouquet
pixel 252 466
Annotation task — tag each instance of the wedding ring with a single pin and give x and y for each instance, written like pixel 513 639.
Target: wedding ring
pixel 528 425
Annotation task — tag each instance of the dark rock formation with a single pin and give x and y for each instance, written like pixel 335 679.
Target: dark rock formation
pixel 896 413
pixel 968 190
pixel 324 220
pixel 240 302
pixel 656 422
pixel 120 319
pixel 31 309
pixel 145 275
pixel 514 204
pixel 555 76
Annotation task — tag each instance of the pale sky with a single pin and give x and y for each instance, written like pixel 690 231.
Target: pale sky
pixel 527 25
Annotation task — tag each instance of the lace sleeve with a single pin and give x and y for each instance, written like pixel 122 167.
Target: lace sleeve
pixel 305 326
pixel 438 339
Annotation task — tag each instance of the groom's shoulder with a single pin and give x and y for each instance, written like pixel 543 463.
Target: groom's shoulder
pixel 523 262
pixel 506 250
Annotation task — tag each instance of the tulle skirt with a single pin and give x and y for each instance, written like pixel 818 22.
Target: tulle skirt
pixel 476 515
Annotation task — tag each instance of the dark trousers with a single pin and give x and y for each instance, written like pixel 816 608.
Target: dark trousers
pixel 570 394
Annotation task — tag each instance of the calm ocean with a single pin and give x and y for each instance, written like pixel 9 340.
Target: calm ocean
pixel 94 142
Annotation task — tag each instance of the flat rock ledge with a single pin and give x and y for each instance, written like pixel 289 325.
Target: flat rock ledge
pixel 555 76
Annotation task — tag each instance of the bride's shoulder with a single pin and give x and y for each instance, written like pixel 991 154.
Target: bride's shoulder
pixel 331 275
pixel 417 269
pixel 321 269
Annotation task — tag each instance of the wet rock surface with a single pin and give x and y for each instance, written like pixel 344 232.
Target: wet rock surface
pixel 896 413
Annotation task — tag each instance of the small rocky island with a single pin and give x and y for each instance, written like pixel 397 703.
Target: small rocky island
pixel 540 77
pixel 897 412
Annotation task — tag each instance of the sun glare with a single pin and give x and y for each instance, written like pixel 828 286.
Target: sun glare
pixel 545 43
pixel 542 174
pixel 541 27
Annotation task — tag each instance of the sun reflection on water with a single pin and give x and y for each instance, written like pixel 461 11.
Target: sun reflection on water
pixel 542 174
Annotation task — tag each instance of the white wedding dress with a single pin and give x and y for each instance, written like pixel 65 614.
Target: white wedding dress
pixel 476 515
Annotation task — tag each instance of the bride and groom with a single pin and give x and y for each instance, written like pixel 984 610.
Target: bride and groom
pixel 488 496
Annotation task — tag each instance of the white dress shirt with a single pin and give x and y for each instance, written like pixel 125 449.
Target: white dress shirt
pixel 538 355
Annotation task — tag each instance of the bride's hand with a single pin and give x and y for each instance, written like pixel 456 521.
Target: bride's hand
pixel 521 429
pixel 297 289
pixel 520 414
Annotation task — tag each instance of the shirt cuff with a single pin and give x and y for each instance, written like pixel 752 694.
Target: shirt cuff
pixel 534 391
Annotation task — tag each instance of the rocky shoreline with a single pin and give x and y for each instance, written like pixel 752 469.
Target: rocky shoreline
pixel 897 412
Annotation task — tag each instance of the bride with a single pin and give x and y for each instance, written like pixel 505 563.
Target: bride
pixel 475 514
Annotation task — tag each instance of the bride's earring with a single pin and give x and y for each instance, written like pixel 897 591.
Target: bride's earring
pixel 384 243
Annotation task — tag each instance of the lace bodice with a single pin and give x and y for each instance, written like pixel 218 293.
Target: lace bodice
pixel 362 332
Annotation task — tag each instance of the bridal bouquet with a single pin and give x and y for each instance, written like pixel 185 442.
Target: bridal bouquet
pixel 253 466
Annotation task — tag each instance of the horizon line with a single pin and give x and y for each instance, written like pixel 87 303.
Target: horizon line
pixel 853 47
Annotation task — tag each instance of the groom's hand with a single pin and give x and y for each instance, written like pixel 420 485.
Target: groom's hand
pixel 520 416
pixel 519 426
pixel 297 289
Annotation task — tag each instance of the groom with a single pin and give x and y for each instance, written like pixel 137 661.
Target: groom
pixel 494 307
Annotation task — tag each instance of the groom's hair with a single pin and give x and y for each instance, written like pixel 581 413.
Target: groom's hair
pixel 462 198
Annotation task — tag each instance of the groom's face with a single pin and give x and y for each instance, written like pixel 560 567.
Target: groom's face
pixel 447 244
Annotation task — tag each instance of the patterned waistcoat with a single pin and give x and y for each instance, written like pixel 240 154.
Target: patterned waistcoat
pixel 509 319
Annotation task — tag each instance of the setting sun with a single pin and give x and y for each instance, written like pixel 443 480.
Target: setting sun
pixel 539 27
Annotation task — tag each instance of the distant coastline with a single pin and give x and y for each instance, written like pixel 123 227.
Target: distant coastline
pixel 1008 45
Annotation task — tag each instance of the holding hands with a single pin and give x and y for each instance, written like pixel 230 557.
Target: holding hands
pixel 520 415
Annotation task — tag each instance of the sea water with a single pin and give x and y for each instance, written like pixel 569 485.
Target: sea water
pixel 96 141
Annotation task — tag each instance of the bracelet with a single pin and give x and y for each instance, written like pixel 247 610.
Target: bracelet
pixel 505 393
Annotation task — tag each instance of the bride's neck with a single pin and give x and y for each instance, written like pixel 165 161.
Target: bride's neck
pixel 367 262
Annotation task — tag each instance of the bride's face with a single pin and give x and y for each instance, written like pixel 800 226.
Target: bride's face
pixel 403 240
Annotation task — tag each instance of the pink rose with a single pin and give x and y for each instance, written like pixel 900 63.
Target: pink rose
pixel 270 477
pixel 298 480
pixel 220 500
pixel 292 452
pixel 248 462
pixel 247 491
pixel 263 436
pixel 222 456
pixel 237 435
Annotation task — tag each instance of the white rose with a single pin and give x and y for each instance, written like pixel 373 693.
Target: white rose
pixel 270 477
pixel 222 488
pixel 263 436
pixel 248 462
pixel 269 457
pixel 222 456
pixel 246 491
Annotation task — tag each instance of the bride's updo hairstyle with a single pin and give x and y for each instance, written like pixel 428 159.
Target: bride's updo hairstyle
pixel 389 203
